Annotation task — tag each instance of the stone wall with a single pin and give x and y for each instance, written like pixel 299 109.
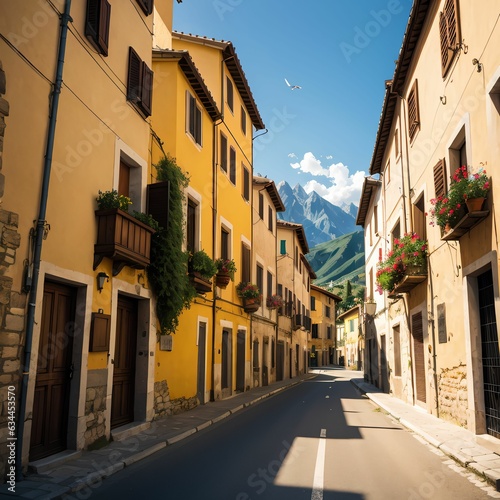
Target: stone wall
pixel 95 406
pixel 453 395
pixel 183 404
pixel 162 400
pixel 12 303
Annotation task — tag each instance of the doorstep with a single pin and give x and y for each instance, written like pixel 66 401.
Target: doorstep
pixel 128 430
pixel 54 461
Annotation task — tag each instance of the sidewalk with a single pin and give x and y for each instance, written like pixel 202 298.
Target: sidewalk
pixel 480 454
pixel 73 475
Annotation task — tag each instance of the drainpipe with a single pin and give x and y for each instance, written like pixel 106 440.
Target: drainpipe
pixel 39 233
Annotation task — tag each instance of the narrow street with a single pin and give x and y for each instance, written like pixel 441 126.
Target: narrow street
pixel 318 440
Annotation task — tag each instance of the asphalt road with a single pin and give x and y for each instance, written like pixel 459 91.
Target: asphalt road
pixel 318 440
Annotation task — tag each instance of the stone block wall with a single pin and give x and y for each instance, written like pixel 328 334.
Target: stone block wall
pixel 12 302
pixel 95 406
pixel 453 395
pixel 162 400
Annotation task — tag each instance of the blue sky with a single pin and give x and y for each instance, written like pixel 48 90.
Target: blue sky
pixel 339 51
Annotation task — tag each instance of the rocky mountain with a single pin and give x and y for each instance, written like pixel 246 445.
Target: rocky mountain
pixel 322 221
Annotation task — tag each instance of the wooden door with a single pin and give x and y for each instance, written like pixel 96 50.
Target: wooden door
pixel 280 361
pixel 54 371
pixel 122 398
pixel 202 340
pixel 240 360
pixel 419 356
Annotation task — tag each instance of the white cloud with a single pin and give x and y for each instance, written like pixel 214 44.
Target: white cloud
pixel 329 157
pixel 292 155
pixel 339 188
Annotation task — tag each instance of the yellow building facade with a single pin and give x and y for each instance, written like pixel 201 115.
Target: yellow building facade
pixel 89 341
pixel 266 204
pixel 322 343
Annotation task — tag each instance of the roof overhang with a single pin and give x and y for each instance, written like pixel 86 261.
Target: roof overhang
pixel 299 230
pixel 312 274
pixel 369 187
pixel 395 87
pixel 326 292
pixel 193 76
pixel 272 190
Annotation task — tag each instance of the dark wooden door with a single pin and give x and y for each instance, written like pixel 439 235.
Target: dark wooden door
pixel 122 399
pixel 280 361
pixel 419 356
pixel 240 360
pixel 202 340
pixel 54 369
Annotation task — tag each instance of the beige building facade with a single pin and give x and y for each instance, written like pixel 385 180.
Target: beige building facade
pixel 436 340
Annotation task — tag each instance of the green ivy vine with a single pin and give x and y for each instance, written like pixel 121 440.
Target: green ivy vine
pixel 167 272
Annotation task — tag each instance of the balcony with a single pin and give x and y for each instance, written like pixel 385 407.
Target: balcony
pixel 301 320
pixel 465 224
pixel 122 238
pixel 413 277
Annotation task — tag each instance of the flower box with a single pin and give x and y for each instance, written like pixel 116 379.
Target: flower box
pixel 201 284
pixel 464 225
pixel 222 279
pixel 251 305
pixel 122 238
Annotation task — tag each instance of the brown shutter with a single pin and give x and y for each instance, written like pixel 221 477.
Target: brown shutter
pixel 134 80
pixel 146 6
pixel 449 33
pixel 245 263
pixel 246 184
pixel 440 178
pixel 158 196
pixel 147 89
pixel 413 113
pixel 232 165
pixel 223 152
pixel 97 24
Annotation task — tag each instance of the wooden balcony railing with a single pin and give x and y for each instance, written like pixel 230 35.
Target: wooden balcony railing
pixel 122 238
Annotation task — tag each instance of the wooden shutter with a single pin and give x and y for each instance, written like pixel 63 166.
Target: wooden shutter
pixel 269 284
pixel 232 165
pixel 413 112
pixel 271 217
pixel 157 202
pixel 146 89
pixel 229 91
pixel 134 80
pixel 146 6
pixel 243 121
pixel 449 33
pixel 245 263
pixel 223 152
pixel 261 205
pixel 97 24
pixel 440 178
pixel 246 184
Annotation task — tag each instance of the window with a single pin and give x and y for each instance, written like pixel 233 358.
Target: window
pixel 260 277
pixel 243 121
pixel 327 311
pixel 387 173
pixel 146 6
pixel 397 351
pixel 194 119
pixel 245 263
pixel 191 226
pixel 283 247
pixel 255 354
pixel 296 257
pixel 139 83
pixel 329 332
pixel 269 284
pixel 371 289
pixel 313 303
pixel 280 293
pixel 130 182
pixel 396 233
pixel 458 149
pixel 223 152
pixel 229 92
pixel 224 244
pixel 270 218
pixel 375 220
pixel 314 333
pixel 413 112
pixel 246 183
pixel 419 224
pixel 97 24
pixel 351 325
pixel 232 165
pixel 261 205
pixel 157 202
pixel 124 179
pixel 440 178
pixel 396 144
pixel 449 33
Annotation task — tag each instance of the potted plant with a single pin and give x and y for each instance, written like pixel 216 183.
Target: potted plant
pixel 225 272
pixel 111 199
pixel 201 269
pixel 476 189
pixel 250 294
pixel 408 257
pixel 274 302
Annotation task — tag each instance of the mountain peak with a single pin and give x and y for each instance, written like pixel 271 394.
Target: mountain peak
pixel 300 191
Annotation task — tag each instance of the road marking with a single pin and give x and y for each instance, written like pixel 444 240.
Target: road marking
pixel 319 470
pixel 327 397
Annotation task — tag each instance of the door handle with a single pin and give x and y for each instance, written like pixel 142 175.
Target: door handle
pixel 71 370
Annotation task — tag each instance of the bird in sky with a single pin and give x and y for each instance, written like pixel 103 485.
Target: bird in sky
pixel 293 87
